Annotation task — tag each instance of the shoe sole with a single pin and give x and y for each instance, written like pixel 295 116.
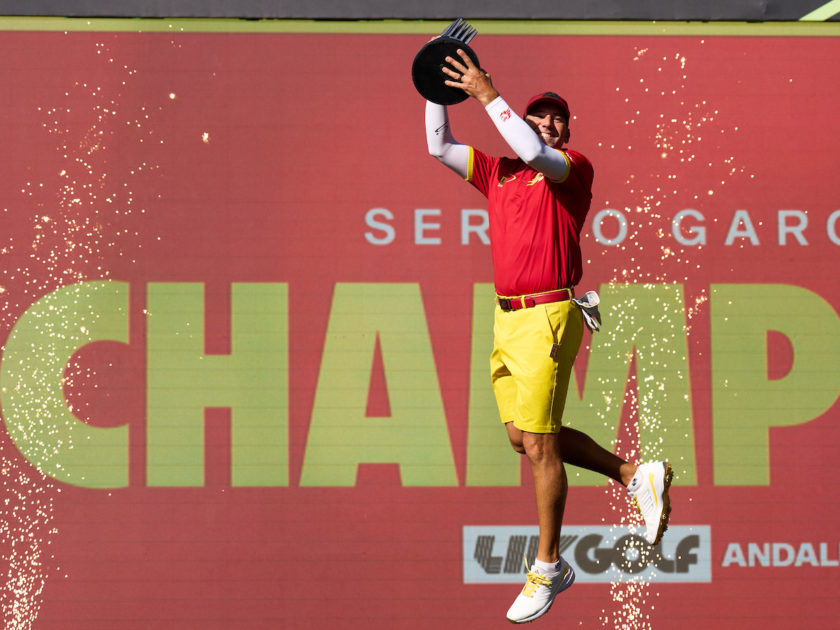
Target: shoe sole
pixel 666 503
pixel 567 582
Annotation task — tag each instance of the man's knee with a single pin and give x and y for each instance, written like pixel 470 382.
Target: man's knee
pixel 515 437
pixel 541 446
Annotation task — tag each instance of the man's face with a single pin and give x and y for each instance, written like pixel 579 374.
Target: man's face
pixel 550 123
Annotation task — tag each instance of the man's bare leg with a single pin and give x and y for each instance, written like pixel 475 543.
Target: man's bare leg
pixel 578 449
pixel 544 453
pixel 549 575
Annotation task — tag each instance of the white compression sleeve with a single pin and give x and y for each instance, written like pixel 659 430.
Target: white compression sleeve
pixel 525 142
pixel 441 143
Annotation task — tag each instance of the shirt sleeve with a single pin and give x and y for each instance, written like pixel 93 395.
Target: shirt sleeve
pixel 581 169
pixel 481 172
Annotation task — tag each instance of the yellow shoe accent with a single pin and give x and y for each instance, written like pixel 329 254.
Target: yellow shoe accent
pixel 533 580
pixel 651 478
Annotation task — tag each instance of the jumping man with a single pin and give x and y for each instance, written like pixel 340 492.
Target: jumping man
pixel 537 204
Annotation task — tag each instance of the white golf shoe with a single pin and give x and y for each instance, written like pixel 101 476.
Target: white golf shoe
pixel 539 593
pixel 649 489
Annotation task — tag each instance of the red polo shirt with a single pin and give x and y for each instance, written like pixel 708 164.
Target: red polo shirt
pixel 535 223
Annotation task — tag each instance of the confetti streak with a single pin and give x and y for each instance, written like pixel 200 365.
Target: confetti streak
pixel 674 127
pixel 79 223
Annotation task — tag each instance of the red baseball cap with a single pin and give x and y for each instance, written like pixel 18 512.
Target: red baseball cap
pixel 548 97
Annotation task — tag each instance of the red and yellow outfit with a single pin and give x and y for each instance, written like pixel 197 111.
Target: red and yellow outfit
pixel 535 227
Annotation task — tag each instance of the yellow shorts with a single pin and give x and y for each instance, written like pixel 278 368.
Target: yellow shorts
pixel 530 385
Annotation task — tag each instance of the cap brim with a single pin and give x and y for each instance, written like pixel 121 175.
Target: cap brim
pixel 550 101
pixel 427 70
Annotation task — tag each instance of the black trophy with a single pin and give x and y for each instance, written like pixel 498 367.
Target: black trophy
pixel 427 69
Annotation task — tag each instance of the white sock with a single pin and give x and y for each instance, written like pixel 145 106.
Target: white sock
pixel 634 482
pixel 548 569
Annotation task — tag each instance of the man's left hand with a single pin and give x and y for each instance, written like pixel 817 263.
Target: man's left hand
pixel 465 75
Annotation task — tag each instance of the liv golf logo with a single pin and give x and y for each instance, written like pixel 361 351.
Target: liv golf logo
pixel 496 554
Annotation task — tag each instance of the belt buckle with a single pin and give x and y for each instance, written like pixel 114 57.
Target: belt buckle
pixel 505 305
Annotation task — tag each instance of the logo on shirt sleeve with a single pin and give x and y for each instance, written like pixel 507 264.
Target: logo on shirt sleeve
pixel 505 114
